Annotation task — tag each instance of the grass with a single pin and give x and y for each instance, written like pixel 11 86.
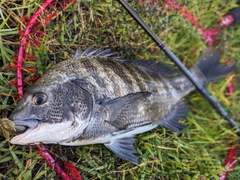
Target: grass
pixel 198 152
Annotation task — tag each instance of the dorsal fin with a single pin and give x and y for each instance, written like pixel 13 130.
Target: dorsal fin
pixel 155 67
pixel 97 52
pixel 150 66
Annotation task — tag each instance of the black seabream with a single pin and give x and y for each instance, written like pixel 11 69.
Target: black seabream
pixel 96 97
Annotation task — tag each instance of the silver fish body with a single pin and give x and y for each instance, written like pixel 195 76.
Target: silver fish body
pixel 96 97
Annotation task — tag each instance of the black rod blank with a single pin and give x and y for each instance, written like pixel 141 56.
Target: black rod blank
pixel 198 86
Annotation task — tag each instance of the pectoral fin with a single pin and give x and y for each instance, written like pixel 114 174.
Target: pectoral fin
pixel 117 106
pixel 124 149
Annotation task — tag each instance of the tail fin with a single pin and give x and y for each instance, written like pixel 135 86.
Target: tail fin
pixel 208 67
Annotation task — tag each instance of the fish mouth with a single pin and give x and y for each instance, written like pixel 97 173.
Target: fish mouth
pixel 23 129
pixel 22 126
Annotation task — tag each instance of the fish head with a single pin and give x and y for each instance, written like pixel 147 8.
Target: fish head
pixel 51 114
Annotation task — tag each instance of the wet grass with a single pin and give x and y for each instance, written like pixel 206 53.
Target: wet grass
pixel 198 152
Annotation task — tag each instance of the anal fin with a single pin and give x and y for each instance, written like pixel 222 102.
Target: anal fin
pixel 124 149
pixel 179 111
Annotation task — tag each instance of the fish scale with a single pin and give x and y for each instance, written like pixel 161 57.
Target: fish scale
pixel 139 79
pixel 98 98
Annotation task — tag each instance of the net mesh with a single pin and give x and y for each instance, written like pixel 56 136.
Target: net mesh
pixel 198 152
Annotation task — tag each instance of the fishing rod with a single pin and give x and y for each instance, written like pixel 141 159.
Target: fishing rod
pixel 177 62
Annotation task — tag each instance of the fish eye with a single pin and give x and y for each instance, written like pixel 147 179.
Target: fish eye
pixel 39 98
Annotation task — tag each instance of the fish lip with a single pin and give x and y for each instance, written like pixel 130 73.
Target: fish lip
pixel 22 125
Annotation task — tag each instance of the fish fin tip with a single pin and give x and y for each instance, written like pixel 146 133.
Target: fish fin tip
pixel 77 53
pixel 124 149
pixel 179 111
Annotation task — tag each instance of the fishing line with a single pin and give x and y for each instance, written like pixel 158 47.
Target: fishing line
pixel 177 62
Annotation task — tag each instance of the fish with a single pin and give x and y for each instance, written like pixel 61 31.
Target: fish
pixel 97 97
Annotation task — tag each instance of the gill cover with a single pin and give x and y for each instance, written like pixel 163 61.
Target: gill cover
pixel 67 113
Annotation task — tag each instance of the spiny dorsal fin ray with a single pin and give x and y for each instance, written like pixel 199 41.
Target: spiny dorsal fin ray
pixel 124 149
pixel 97 52
pixel 179 111
pixel 148 65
